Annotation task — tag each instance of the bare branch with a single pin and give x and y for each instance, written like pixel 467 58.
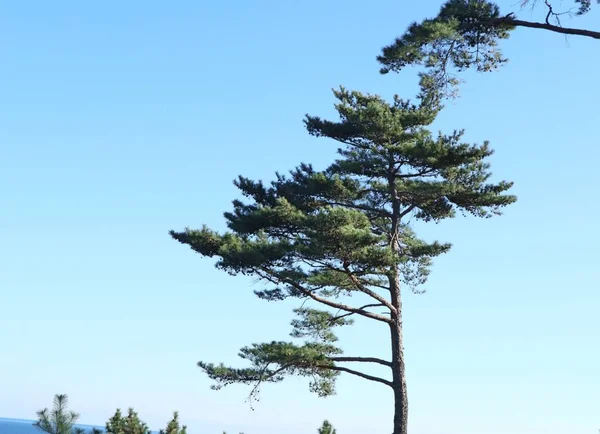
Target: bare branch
pixel 509 20
pixel 255 389
pixel 361 360
pixel 550 12
pixel 357 373
pixel 335 318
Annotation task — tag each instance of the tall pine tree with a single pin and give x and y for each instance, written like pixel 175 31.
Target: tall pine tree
pixel 340 240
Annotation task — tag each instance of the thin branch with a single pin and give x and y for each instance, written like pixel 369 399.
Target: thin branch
pixel 446 58
pixel 256 388
pixel 357 373
pixel 259 381
pixel 379 286
pixel 361 360
pixel 335 318
pixel 550 12
pixel 275 278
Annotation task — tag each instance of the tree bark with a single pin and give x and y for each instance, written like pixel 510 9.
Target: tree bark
pixel 398 367
pixel 399 379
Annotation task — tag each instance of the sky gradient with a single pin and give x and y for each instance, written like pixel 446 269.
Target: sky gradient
pixel 122 120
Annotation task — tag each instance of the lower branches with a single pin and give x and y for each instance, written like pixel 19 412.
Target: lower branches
pixel 273 362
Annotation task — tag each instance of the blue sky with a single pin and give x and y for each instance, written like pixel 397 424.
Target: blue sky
pixel 122 120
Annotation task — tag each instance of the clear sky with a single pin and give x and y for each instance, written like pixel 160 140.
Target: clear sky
pixel 122 120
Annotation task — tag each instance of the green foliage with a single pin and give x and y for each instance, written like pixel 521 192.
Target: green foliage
pixel 309 360
pixel 342 234
pixel 327 428
pixel 316 324
pixel 59 420
pixel 173 426
pixel 585 6
pixel 79 430
pixel 130 424
pixel 465 34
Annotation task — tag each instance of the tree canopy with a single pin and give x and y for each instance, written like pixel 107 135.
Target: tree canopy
pixel 173 427
pixel 130 424
pixel 466 34
pixel 327 428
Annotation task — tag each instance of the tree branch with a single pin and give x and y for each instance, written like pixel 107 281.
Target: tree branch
pixel 357 373
pixel 407 210
pixel 357 283
pixel 335 318
pixel 509 20
pixel 255 388
pixel 361 360
pixel 273 277
pixel 362 288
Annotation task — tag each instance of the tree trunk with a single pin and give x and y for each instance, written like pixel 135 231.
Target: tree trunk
pixel 398 371
pixel 399 379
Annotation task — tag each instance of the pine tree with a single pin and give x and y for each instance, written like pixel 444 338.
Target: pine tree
pixel 466 34
pixel 327 428
pixel 342 239
pixel 131 424
pixel 59 420
pixel 173 426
